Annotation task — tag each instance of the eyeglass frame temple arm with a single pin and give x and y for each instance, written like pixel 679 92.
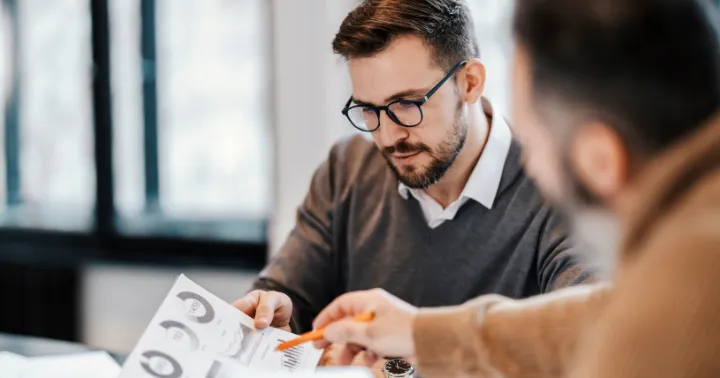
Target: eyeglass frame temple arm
pixel 440 84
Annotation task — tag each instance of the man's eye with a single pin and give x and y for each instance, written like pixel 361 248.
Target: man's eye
pixel 406 103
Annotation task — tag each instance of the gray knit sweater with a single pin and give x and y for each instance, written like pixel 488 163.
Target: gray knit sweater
pixel 354 231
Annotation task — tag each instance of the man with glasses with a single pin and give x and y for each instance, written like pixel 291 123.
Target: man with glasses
pixel 438 209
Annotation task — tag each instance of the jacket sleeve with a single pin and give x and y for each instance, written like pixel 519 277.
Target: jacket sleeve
pixel 305 266
pixel 493 336
pixel 663 319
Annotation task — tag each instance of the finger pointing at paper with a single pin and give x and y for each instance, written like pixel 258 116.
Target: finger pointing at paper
pixel 388 334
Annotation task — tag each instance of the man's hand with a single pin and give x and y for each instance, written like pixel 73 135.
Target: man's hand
pixel 346 355
pixel 269 308
pixel 352 355
pixel 389 334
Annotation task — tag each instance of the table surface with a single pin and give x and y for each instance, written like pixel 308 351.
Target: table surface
pixel 32 347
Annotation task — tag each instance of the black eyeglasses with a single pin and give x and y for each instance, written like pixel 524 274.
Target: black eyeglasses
pixel 406 113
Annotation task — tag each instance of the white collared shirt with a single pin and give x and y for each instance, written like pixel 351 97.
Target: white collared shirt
pixel 484 181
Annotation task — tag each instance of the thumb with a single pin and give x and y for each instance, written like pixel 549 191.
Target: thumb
pixel 265 311
pixel 349 331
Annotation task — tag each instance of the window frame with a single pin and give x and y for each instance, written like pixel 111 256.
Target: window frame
pixel 104 242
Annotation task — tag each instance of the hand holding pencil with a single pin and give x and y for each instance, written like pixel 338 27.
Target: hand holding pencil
pixel 388 333
pixel 319 334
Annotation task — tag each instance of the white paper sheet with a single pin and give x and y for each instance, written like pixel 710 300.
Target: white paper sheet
pixel 82 365
pixel 195 334
pixel 12 365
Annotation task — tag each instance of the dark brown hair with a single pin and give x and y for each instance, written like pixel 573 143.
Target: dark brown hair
pixel 648 68
pixel 445 26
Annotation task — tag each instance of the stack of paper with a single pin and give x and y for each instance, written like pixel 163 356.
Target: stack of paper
pixel 194 334
pixel 83 365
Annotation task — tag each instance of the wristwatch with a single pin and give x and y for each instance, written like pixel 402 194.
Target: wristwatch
pixel 398 368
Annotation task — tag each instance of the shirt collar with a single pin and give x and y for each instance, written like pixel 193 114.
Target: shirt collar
pixel 484 181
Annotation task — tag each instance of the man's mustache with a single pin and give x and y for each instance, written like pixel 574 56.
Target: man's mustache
pixel 405 148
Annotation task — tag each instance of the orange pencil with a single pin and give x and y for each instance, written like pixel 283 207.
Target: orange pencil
pixel 319 333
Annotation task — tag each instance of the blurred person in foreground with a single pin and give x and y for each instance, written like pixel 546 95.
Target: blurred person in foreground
pixel 617 106
pixel 430 202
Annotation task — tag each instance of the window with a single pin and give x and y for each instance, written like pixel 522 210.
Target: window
pixel 47 165
pixel 133 123
pixel 199 105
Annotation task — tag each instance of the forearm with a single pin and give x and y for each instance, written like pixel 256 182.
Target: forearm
pixel 302 270
pixel 498 337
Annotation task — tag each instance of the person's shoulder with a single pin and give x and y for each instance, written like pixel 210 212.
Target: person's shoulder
pixel 351 147
pixel 356 161
pixel 515 181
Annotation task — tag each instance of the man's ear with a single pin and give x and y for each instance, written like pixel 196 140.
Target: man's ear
pixel 600 159
pixel 472 81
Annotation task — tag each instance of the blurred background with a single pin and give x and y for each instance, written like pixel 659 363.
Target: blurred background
pixel 141 139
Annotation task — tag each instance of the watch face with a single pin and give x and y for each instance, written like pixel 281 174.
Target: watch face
pixel 398 367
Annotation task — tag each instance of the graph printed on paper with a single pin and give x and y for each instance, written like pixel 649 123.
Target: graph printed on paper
pixel 193 322
pixel 293 358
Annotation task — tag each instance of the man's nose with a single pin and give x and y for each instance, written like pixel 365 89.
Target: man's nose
pixel 391 132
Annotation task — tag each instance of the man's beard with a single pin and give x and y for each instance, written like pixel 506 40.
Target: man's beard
pixel 595 228
pixel 443 156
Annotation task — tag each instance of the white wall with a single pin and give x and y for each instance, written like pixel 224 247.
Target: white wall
pixel 120 300
pixel 311 87
pixel 492 26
